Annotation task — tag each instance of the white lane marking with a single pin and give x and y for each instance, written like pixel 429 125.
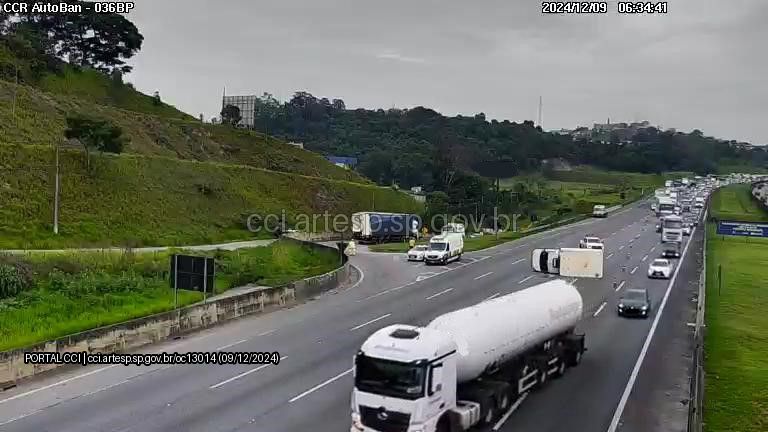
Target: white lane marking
pixel 621 285
pixel 631 383
pixel 633 270
pixel 269 332
pixel 610 254
pixel 637 236
pixel 246 373
pixel 512 409
pixel 613 234
pixel 645 258
pixel 653 249
pixel 439 294
pixel 319 386
pixel 600 309
pixel 31 392
pixel 621 247
pixel 370 322
pixel 525 280
pixel 519 261
pixel 230 345
pixel 491 297
pixel 362 276
pixel 573 281
pixel 99 390
pixel 484 275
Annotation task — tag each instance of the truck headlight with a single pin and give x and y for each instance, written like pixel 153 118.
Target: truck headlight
pixel 621 306
pixel 644 308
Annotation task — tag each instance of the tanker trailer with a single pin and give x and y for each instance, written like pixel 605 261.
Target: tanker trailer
pixel 466 367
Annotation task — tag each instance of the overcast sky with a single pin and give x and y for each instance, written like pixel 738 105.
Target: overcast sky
pixel 702 65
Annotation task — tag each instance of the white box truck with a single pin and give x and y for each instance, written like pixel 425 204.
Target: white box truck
pixel 444 248
pixel 575 262
pixel 466 367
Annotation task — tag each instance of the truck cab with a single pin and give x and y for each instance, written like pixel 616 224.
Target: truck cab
pixel 409 370
pixel 672 229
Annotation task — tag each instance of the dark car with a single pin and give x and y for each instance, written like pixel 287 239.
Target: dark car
pixel 635 302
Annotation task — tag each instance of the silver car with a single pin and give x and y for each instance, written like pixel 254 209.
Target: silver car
pixel 417 253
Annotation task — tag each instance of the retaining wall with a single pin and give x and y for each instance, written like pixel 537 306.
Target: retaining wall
pixel 143 331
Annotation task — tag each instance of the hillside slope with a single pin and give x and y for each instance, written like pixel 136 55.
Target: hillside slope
pixel 40 119
pixel 150 200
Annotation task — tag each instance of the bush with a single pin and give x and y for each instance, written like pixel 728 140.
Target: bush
pixel 11 281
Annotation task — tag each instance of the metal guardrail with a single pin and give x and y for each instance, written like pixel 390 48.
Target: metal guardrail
pixel 696 403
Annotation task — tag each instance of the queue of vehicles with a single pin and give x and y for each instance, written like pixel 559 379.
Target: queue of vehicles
pixel 459 372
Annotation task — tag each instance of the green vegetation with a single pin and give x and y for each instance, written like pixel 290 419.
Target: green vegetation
pixel 60 294
pixel 736 203
pixel 40 119
pixel 154 201
pixel 736 394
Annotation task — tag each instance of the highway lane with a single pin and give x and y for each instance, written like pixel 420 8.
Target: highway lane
pixel 318 340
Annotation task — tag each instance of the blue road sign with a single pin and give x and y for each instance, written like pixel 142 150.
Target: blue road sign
pixel 744 229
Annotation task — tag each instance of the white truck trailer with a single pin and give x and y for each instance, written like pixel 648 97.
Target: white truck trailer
pixel 574 262
pixel 465 368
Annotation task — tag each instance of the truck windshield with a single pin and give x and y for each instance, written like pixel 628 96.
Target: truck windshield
pixel 673 224
pixel 389 378
pixel 666 207
pixel 437 246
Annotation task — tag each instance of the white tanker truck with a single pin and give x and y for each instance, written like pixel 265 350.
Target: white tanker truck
pixel 466 367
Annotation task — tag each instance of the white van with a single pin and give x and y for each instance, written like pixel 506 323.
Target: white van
pixel 445 248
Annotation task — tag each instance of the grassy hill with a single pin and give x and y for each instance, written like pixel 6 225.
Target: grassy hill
pixel 151 200
pixel 40 119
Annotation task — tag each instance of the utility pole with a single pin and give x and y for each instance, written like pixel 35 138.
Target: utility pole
pixel 56 194
pixel 541 103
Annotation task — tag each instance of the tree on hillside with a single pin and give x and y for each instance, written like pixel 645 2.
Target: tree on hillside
pixel 95 134
pixel 99 40
pixel 230 115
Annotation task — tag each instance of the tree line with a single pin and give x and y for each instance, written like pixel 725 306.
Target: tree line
pixel 420 146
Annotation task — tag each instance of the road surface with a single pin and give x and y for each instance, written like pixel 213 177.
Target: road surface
pixel 310 389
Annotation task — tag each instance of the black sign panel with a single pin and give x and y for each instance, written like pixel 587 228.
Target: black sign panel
pixel 501 168
pixel 193 273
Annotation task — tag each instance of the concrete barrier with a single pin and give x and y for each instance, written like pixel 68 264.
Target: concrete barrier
pixel 147 330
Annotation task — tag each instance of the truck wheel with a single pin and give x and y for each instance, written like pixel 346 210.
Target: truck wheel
pixel 543 376
pixel 560 368
pixel 488 410
pixel 576 358
pixel 443 425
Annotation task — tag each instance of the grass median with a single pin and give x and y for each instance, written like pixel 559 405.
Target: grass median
pixel 736 342
pixel 46 296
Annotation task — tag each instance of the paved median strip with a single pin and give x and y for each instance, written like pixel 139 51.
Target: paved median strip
pixel 439 294
pixel 370 322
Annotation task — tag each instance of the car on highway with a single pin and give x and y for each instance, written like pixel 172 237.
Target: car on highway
pixel 660 268
pixel 417 253
pixel 686 228
pixel 591 242
pixel 635 302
